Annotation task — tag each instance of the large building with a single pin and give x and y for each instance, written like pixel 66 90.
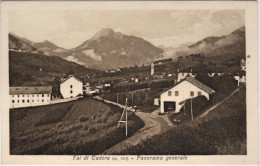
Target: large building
pixel 30 96
pixel 71 87
pixel 172 99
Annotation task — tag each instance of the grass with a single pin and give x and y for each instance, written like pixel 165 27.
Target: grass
pixel 144 100
pixel 199 105
pixel 221 131
pixel 84 126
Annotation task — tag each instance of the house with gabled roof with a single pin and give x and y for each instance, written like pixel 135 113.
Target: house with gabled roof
pixel 28 96
pixel 71 87
pixel 174 98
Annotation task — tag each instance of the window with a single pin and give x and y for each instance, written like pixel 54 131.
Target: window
pixel 28 101
pixel 70 86
pixel 17 101
pixel 71 91
pixel 199 93
pixel 169 93
pixel 32 100
pixel 42 95
pixel 23 95
pixel 12 95
pixel 191 93
pixel 42 100
pixel 27 95
pixel 23 101
pixel 47 100
pixel 48 95
pixel 38 100
pixel 17 95
pixel 32 95
pixel 176 93
pixel 12 101
pixel 37 95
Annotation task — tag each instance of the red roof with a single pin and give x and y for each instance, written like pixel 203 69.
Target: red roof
pixel 30 90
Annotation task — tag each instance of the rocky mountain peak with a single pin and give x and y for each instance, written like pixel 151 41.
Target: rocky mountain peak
pixel 104 32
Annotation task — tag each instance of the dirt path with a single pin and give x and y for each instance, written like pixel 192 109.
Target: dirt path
pixel 216 105
pixel 154 124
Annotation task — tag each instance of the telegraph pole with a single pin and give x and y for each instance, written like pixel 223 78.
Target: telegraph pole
pixel 126 119
pixel 191 109
pixel 117 98
pixel 121 119
pixel 132 99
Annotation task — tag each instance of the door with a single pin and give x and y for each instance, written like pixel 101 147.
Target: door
pixel 169 106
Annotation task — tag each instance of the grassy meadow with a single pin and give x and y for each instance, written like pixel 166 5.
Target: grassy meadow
pixel 85 126
pixel 221 132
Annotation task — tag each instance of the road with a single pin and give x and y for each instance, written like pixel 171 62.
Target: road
pixel 154 124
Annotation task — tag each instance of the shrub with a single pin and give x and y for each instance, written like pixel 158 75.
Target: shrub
pixel 83 119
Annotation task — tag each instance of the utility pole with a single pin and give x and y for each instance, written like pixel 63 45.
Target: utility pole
pixel 122 116
pixel 117 98
pixel 191 109
pixel 126 119
pixel 132 99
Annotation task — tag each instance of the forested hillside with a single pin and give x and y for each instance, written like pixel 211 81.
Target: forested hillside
pixel 38 69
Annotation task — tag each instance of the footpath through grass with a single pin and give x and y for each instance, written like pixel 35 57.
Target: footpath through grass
pixel 85 127
pixel 221 131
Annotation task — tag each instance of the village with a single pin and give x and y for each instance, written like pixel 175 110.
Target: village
pixel 183 86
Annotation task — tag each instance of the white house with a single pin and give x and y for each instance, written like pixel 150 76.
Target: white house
pixel 29 96
pixel 183 75
pixel 71 87
pixel 240 77
pixel 243 64
pixel 172 99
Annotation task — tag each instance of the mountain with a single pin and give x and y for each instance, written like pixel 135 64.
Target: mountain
pixel 232 44
pixel 18 43
pixel 108 49
pixel 48 48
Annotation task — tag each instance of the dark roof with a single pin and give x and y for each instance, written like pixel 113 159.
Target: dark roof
pixel 69 78
pixel 30 90
pixel 200 85
pixel 218 69
pixel 209 69
pixel 196 83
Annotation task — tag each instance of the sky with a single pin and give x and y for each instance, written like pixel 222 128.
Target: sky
pixel 170 28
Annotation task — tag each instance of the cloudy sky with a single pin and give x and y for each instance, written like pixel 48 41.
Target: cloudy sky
pixel 171 28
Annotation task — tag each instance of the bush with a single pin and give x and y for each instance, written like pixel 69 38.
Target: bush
pixel 83 119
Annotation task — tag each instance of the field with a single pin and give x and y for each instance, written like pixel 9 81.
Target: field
pixel 221 132
pixel 85 126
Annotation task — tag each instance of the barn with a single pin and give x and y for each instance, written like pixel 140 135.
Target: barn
pixel 71 87
pixel 172 99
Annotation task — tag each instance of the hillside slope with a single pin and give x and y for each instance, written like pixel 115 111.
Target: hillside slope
pixel 38 69
pixel 221 132
pixel 230 45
